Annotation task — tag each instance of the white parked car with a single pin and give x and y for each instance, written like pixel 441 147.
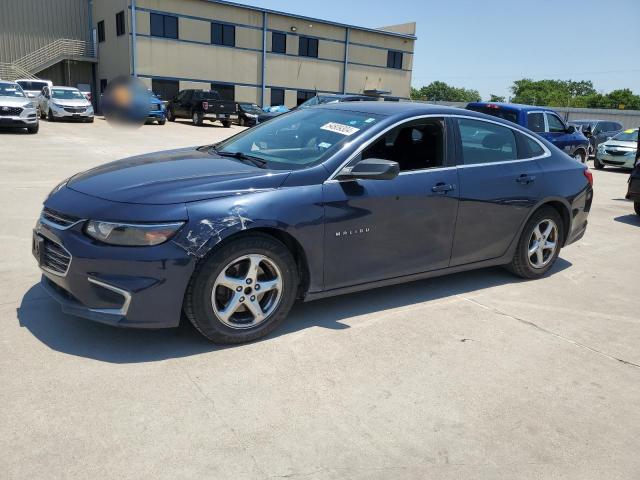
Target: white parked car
pixel 32 87
pixel 57 103
pixel 16 109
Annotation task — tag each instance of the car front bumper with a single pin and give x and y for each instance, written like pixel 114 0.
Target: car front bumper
pixel 26 119
pixel 220 116
pixel 156 115
pixel 621 161
pixel 71 113
pixel 136 287
pixel 633 192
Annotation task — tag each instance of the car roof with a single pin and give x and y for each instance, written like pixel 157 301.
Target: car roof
pixel 8 82
pixel 402 109
pixel 511 106
pixel 63 87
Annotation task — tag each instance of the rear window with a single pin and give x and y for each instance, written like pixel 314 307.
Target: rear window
pixel 206 95
pixel 28 85
pixel 500 112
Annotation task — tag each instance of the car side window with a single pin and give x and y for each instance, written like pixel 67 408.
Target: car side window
pixel 417 145
pixel 484 142
pixel 535 122
pixel 555 124
pixel 528 147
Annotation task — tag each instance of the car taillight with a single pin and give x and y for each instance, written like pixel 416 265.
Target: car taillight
pixel 205 105
pixel 589 175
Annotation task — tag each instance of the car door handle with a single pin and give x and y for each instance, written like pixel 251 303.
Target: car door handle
pixel 443 188
pixel 526 179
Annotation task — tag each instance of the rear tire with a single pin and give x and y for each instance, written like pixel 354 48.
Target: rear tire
pixel 580 155
pixel 226 314
pixel 636 207
pixel 50 116
pixel 197 118
pixel 534 255
pixel 597 164
pixel 226 124
pixel 170 115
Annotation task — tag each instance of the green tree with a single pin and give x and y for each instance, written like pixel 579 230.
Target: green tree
pixel 496 98
pixel 440 91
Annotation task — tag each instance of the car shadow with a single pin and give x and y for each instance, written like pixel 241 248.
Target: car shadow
pixel 630 219
pixel 205 124
pixel 76 336
pixel 13 131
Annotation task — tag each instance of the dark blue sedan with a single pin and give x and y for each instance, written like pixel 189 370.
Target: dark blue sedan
pixel 317 202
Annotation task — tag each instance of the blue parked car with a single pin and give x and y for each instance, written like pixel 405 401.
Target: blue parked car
pixel 157 110
pixel 317 202
pixel 542 120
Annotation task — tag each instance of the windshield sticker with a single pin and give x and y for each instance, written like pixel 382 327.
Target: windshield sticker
pixel 340 128
pixel 631 130
pixel 324 145
pixel 369 120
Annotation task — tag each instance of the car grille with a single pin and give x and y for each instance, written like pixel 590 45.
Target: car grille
pixel 74 109
pixel 10 111
pixel 617 153
pixel 59 219
pixel 55 258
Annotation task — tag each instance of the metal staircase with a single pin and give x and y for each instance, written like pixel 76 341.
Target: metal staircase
pixel 44 57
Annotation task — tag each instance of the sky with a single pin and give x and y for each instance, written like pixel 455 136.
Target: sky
pixel 487 44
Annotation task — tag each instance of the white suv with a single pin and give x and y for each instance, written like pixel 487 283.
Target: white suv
pixel 57 103
pixel 16 110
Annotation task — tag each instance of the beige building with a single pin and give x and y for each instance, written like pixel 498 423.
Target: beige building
pixel 247 53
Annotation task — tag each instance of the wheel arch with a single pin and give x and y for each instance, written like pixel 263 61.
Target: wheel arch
pixel 561 206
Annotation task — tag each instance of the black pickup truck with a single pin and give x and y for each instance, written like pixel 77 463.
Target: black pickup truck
pixel 200 105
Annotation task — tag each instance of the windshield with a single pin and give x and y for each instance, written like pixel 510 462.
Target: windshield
pixel 253 108
pixel 503 113
pixel 627 136
pixel 31 85
pixel 10 90
pixel 300 138
pixel 67 94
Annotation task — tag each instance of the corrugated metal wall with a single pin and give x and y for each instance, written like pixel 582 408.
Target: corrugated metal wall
pixel 26 25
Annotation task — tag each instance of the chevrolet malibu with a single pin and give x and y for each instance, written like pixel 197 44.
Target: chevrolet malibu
pixel 317 202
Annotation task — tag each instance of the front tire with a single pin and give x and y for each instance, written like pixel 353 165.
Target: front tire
pixel 226 124
pixel 170 116
pixel 636 207
pixel 243 290
pixel 34 129
pixel 50 116
pixel 597 164
pixel 197 118
pixel 539 244
pixel 162 122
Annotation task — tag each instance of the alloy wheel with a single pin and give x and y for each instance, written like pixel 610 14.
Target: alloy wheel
pixel 247 291
pixel 543 243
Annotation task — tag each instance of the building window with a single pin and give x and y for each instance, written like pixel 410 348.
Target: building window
pixel 222 34
pixel 308 47
pixel 304 95
pixel 227 92
pixel 277 96
pixel 167 89
pixel 278 42
pixel 101 31
pixel 120 23
pixel 164 26
pixel 394 59
pixel 103 84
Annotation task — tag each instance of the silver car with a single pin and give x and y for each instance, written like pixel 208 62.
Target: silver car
pixel 57 103
pixel 619 151
pixel 16 110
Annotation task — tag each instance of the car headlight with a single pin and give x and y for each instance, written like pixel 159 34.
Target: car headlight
pixel 57 105
pixel 251 115
pixel 28 105
pixel 132 235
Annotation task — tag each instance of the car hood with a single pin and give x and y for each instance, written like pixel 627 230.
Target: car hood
pixel 71 103
pixel 618 143
pixel 174 176
pixel 13 101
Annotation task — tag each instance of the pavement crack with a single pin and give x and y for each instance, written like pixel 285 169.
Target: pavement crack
pixel 223 421
pixel 550 332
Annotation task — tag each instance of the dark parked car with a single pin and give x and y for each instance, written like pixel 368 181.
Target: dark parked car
pixel 597 131
pixel 322 201
pixel 248 114
pixel 320 100
pixel 200 105
pixel 541 120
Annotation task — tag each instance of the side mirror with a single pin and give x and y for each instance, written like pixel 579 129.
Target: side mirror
pixel 571 129
pixel 371 169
